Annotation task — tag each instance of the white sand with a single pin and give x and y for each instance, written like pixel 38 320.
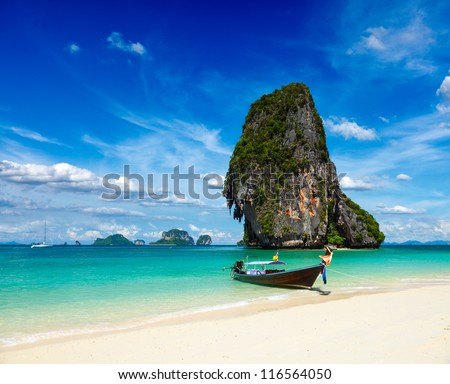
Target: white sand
pixel 410 326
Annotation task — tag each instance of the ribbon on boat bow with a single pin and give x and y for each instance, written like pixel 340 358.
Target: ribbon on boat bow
pixel 324 272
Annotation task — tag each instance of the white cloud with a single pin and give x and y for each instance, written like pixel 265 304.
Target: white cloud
pixel 112 228
pixel 32 135
pixel 349 129
pixel 443 227
pixel 169 142
pixel 73 48
pixel 8 212
pixel 374 38
pixel 214 181
pixel 417 141
pixel 384 119
pixel 444 89
pixel 405 45
pixel 424 229
pixel 14 229
pixel 168 218
pixel 112 211
pixel 153 234
pixel 60 175
pixel 358 184
pixel 116 40
pixel 399 209
pixel 79 234
pixel 443 108
pixel 210 138
pixel 403 177
pixel 214 233
pixel 194 228
pixel 173 200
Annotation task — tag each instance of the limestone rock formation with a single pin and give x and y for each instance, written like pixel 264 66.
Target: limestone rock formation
pixel 204 240
pixel 175 237
pixel 117 239
pixel 282 181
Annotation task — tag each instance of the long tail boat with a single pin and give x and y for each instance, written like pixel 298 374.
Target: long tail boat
pixel 273 273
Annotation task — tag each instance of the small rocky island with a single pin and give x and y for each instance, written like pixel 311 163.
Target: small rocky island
pixel 172 237
pixel 116 239
pixel 175 237
pixel 180 237
pixel 282 181
pixel 204 240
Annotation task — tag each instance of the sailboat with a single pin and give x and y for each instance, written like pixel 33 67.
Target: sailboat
pixel 43 244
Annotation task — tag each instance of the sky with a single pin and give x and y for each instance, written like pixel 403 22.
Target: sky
pixel 100 98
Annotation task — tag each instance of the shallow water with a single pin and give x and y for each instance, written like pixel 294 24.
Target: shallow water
pixel 55 291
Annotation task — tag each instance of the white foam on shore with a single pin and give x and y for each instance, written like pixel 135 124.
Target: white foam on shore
pixel 278 297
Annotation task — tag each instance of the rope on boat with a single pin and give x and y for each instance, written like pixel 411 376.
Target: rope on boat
pixel 355 277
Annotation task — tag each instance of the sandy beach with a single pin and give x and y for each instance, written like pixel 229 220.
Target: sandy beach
pixel 408 326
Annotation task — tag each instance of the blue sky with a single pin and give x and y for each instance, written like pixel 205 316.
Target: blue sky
pixel 88 88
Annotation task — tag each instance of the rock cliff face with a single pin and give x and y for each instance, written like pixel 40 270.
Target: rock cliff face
pixel 282 181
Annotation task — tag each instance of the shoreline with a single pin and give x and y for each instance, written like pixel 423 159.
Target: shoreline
pixel 404 325
pixel 219 311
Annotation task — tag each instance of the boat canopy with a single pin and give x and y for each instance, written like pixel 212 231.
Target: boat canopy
pixel 266 263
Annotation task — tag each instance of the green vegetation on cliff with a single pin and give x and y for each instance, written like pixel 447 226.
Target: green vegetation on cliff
pixel 117 239
pixel 266 147
pixel 282 181
pixel 370 224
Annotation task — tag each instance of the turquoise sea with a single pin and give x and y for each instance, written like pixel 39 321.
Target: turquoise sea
pixel 50 292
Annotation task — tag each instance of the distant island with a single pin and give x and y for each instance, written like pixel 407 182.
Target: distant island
pixel 175 237
pixel 116 239
pixel 415 242
pixel 181 237
pixel 204 240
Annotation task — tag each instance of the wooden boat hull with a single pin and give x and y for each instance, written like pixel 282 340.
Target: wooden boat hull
pixel 295 278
